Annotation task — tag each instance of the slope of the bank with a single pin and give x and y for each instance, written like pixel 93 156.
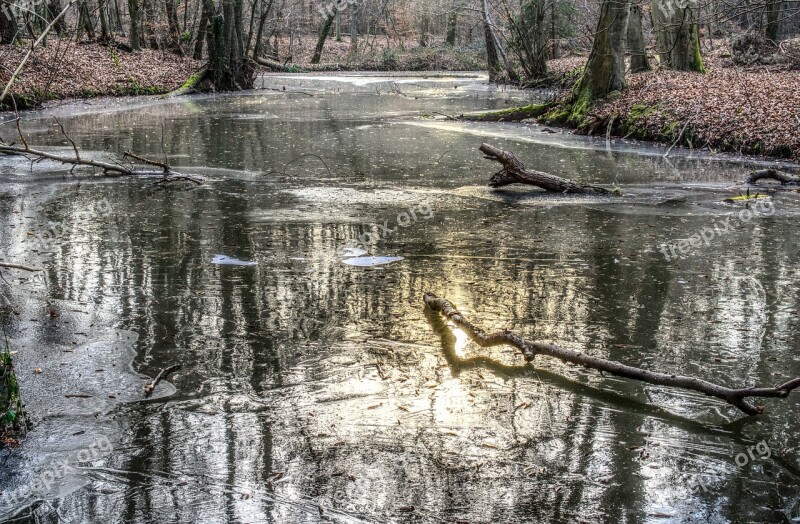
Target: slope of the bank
pixel 67 70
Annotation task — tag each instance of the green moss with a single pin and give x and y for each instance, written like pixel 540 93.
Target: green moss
pixel 511 114
pixel 698 59
pixel 12 411
pixel 193 80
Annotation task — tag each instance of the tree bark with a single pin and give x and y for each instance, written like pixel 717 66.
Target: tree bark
pixel 514 172
pixel 260 33
pixel 354 28
pixel 605 69
pixel 85 21
pixel 174 27
pixel 202 30
pixel 529 350
pixel 9 29
pixel 133 37
pixel 230 70
pixel 323 36
pixel 636 44
pixel 494 49
pixel 772 29
pixel 676 35
pixel 452 25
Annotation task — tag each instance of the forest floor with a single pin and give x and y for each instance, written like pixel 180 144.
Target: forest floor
pixel 377 54
pixel 748 110
pixel 64 69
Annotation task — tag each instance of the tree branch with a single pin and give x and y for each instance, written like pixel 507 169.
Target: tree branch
pixel 514 172
pixel 529 350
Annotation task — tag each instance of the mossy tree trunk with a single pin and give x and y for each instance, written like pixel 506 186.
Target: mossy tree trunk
pixel 636 44
pixel 323 36
pixel 605 69
pixel 675 24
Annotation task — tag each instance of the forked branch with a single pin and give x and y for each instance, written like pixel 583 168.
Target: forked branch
pixel 529 350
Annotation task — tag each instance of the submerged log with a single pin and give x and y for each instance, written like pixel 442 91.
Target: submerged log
pixel 514 172
pixel 773 174
pixel 530 350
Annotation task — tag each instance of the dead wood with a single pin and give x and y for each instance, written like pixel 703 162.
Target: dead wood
pixel 514 172
pixel 17 266
pixel 149 388
pixel 530 350
pixel 166 174
pixel 773 174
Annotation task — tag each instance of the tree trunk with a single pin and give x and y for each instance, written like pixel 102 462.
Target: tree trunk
pixel 149 24
pixel 605 69
pixel 323 36
pixel 174 27
pixel 494 49
pixel 492 60
pixel 53 8
pixel 354 28
pixel 230 70
pixel 260 34
pixel 201 32
pixel 133 11
pixel 105 34
pixel 424 29
pixel 9 28
pixel 676 35
pixel 85 21
pixel 531 35
pixel 772 29
pixel 452 25
pixel 636 43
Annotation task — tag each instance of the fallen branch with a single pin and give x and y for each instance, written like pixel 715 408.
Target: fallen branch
pixel 514 172
pixel 773 174
pixel 167 174
pixel 735 397
pixel 148 388
pixel 18 266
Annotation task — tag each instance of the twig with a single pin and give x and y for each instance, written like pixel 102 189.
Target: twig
pixel 144 160
pixel 735 397
pixel 148 388
pixel 18 266
pixel 677 139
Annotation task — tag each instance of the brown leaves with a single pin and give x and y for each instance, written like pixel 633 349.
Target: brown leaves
pixel 751 110
pixel 66 70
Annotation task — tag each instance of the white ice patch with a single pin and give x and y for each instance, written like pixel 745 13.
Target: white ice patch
pixel 370 261
pixel 228 261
